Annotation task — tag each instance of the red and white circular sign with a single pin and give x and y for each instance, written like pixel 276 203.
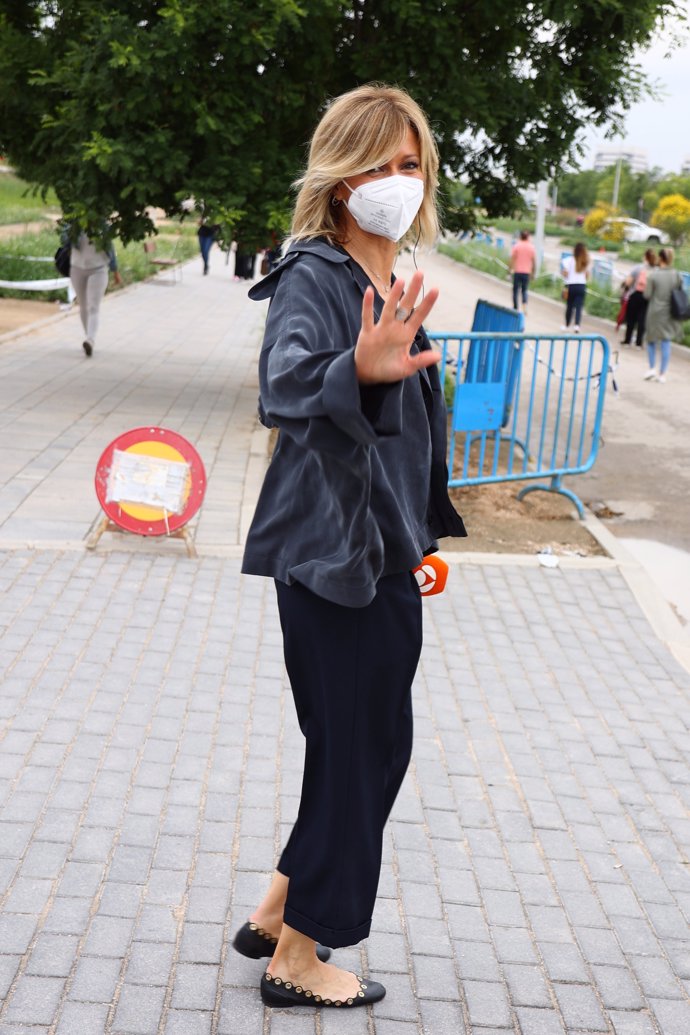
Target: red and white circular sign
pixel 150 481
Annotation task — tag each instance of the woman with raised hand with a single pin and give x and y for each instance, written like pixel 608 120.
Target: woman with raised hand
pixel 355 495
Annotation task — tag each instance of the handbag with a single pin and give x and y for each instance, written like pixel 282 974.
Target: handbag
pixel 680 304
pixel 564 293
pixel 63 257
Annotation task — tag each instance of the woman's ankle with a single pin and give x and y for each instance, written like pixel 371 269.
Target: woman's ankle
pixel 270 922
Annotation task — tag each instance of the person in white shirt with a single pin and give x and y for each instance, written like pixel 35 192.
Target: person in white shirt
pixel 575 272
pixel 89 266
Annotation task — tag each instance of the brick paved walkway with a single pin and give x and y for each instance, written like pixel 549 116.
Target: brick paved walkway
pixel 536 877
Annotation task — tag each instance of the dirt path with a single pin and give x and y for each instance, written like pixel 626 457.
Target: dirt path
pixel 18 312
pixel 34 227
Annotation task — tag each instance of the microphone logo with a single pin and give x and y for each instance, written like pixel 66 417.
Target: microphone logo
pixel 431 575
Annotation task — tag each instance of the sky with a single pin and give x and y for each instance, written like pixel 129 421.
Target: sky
pixel 662 128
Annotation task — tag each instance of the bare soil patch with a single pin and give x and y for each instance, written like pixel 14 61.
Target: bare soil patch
pixel 18 312
pixel 497 522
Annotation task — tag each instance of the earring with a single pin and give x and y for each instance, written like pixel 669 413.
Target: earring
pixel 335 201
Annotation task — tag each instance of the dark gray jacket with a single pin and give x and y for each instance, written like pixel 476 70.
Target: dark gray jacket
pixel 357 487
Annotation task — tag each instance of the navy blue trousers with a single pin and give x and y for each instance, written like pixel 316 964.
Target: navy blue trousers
pixel 351 672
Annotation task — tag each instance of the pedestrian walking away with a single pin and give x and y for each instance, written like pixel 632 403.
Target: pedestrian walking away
pixel 355 496
pixel 575 273
pixel 89 265
pixel 661 326
pixel 207 234
pixel 523 264
pixel 636 309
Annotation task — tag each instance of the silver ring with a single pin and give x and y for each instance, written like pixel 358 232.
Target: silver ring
pixel 403 314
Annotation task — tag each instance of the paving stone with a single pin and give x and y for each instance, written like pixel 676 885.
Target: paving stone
pixel 52 955
pixel 477 961
pixel 387 952
pixel 616 988
pixel 201 943
pixel 400 1003
pixel 139 1010
pixel 149 963
pixel 672 1015
pixel 441 1018
pixel 16 933
pixel 632 1023
pixel 109 936
pixel 82 1019
pixel 526 986
pixel 599 946
pixel 580 1008
pixel 95 979
pixel 487 1003
pixel 188 1022
pixel 513 945
pixel 241 1011
pixel 539 1022
pixel 435 978
pixel 9 965
pixel 34 1000
pixel 195 987
pixel 427 936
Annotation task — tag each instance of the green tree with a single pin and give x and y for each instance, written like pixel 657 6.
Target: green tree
pixel 124 104
pixel 578 189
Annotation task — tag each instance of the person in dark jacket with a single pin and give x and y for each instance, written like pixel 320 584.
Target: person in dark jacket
pixel 355 496
pixel 207 234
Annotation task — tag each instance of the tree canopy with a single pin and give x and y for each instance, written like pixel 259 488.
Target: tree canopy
pixel 124 104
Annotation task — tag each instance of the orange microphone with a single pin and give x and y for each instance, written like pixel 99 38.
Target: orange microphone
pixel 431 575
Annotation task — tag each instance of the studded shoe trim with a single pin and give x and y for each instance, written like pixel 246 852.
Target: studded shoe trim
pixel 263 934
pixel 308 994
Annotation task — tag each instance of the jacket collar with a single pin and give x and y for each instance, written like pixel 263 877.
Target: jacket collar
pixel 266 288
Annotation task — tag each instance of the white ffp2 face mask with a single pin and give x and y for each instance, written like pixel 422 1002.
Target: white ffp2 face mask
pixel 386 207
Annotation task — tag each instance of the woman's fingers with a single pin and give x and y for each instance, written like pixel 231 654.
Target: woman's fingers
pixel 428 358
pixel 420 312
pixel 368 310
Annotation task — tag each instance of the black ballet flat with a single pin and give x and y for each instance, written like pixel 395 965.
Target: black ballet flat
pixel 280 994
pixel 87 347
pixel 254 942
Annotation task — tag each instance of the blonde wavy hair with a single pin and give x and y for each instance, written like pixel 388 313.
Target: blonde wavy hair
pixel 360 130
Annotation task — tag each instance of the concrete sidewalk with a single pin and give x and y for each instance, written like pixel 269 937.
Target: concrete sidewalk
pixel 536 877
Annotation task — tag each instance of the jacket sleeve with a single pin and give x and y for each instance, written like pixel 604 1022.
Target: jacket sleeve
pixel 309 386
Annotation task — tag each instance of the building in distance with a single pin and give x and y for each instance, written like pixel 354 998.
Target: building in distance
pixel 635 157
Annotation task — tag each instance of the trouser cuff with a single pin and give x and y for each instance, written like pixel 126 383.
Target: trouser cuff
pixel 335 939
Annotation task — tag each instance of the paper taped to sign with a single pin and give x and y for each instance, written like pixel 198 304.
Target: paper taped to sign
pixel 148 480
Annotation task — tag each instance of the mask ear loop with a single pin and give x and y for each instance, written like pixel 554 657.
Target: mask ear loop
pixel 414 251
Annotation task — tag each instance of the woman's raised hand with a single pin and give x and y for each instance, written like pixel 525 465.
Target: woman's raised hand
pixel 382 352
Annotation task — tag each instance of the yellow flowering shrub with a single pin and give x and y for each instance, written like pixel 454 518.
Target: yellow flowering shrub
pixel 672 214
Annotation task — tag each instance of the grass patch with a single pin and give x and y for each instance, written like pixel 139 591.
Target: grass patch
pixel 479 256
pixel 173 240
pixel 18 206
pixel 514 226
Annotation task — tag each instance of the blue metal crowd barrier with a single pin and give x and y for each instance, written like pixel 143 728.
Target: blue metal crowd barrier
pixel 543 394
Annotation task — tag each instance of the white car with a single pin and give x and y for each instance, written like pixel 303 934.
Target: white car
pixel 635 231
